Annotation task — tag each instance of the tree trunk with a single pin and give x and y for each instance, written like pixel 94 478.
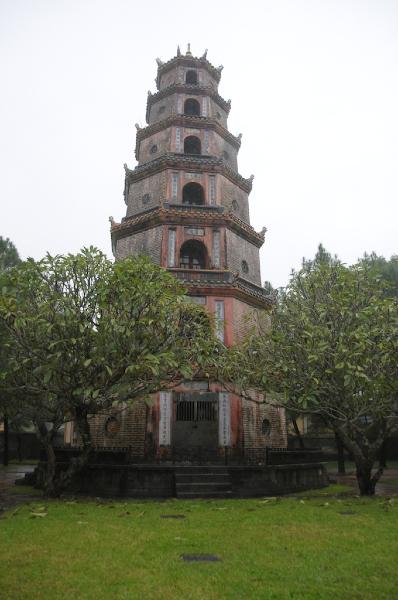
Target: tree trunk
pixel 340 455
pixel 6 440
pixel 366 481
pixel 19 447
pixel 50 473
pixel 65 478
pixel 364 453
pixel 383 455
pixel 297 432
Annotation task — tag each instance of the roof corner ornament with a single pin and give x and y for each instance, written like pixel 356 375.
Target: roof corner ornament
pixel 137 127
pixel 220 68
pixel 188 52
pixel 239 136
pixel 112 221
pixel 251 178
pixel 204 55
pixel 125 167
pixel 178 50
pixel 149 93
pixel 159 62
pixel 229 103
pixel 263 231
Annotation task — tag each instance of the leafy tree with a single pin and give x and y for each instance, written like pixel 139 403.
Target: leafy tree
pixel 387 270
pixel 9 258
pixel 86 334
pixel 332 350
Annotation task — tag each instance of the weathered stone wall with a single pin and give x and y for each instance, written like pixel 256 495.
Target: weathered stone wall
pixel 163 108
pixel 234 199
pixel 246 319
pixel 148 243
pixel 162 141
pixel 146 193
pixel 238 250
pixel 131 424
pixel 253 415
pixel 220 147
pixel 178 75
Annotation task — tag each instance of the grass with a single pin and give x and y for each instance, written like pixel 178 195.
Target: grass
pixel 270 549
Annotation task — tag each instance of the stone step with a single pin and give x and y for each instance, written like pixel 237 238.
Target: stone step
pixel 202 487
pixel 202 477
pixel 202 482
pixel 200 469
pixel 192 495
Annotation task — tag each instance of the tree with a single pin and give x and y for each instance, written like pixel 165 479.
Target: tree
pixel 332 350
pixel 9 258
pixel 86 335
pixel 387 270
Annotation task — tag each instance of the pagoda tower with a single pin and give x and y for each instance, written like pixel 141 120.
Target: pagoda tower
pixel 188 210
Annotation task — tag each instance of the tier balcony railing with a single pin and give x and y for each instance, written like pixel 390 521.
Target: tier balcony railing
pixel 197 274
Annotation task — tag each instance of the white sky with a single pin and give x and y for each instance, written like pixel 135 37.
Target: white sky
pixel 314 90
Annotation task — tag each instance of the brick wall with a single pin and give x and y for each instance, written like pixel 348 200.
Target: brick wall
pixel 178 74
pixel 154 185
pixel 148 243
pixel 163 108
pixel 229 193
pixel 161 139
pixel 239 249
pixel 245 319
pixel 253 416
pixel 132 423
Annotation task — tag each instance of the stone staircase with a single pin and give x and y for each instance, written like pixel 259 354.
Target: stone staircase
pixel 202 482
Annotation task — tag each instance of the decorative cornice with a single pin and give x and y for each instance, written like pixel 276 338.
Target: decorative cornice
pixel 186 121
pixel 173 215
pixel 193 90
pixel 234 286
pixel 189 162
pixel 187 61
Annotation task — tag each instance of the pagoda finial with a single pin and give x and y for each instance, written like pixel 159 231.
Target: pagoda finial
pixel 189 53
pixel 204 55
pixel 178 50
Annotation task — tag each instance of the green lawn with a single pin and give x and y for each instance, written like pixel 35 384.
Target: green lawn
pixel 272 548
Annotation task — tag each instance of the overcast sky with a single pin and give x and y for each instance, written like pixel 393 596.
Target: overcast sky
pixel 314 90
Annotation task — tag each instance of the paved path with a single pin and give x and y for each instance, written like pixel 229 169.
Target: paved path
pixel 9 496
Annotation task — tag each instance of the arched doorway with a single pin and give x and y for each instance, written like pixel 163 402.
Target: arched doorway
pixel 192 145
pixel 192 108
pixel 193 194
pixel 193 255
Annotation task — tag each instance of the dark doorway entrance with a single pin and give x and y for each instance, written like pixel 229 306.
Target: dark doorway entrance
pixel 195 426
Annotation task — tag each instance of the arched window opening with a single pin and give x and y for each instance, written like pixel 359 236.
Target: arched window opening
pixel 193 255
pixel 266 427
pixel 192 145
pixel 191 77
pixel 192 108
pixel 193 194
